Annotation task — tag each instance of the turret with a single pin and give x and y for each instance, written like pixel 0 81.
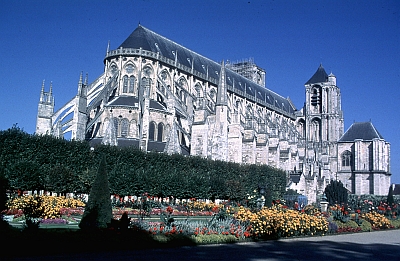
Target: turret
pixel 45 111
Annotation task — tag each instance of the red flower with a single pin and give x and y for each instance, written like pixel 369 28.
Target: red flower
pixel 170 209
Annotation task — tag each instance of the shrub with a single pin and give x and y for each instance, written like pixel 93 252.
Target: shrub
pixel 336 193
pixel 214 239
pixel 395 223
pixel 365 226
pixel 98 210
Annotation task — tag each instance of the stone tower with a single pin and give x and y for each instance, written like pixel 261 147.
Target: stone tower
pixel 78 128
pixel 323 125
pixel 45 111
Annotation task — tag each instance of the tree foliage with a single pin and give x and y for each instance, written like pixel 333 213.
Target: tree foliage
pixel 34 162
pixel 336 193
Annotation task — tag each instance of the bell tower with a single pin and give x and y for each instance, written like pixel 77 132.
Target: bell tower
pixel 324 126
pixel 324 116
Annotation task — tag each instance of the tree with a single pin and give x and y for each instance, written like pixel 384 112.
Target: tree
pixel 390 198
pixel 3 190
pixel 61 179
pixel 336 193
pixel 98 210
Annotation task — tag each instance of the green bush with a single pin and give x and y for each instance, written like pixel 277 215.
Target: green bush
pixel 34 162
pixel 395 223
pixel 214 239
pixel 365 225
pixel 336 193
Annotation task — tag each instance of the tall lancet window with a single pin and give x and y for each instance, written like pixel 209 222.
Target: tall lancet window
pixel 346 159
pixel 152 130
pixel 124 127
pixel 315 130
pixel 160 132
pixel 131 84
pixel 125 84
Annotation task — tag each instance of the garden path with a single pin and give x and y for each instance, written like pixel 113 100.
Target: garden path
pixel 373 246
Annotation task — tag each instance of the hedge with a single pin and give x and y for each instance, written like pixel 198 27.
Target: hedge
pixel 33 162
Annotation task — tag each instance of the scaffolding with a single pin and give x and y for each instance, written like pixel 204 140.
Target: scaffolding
pixel 248 69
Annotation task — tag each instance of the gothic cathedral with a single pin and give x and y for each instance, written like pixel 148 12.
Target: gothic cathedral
pixel 157 95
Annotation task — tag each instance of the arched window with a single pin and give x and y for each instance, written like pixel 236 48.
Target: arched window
pixel 113 69
pixel 346 159
pixel 160 132
pixel 116 123
pixel 128 84
pixel 152 129
pixel 125 84
pixel 315 130
pixel 131 84
pixel 124 127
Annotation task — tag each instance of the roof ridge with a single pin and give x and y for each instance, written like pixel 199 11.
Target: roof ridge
pixel 183 47
pixel 189 50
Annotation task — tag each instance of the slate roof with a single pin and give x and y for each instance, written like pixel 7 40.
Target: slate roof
pixel 148 40
pixel 133 101
pixel 361 130
pixel 319 76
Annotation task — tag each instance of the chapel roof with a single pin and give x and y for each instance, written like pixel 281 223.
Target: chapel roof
pixel 361 130
pixel 319 76
pixel 133 101
pixel 148 40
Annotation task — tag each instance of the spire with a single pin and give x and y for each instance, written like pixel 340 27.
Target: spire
pixel 86 79
pixel 51 88
pixel 42 91
pixel 221 94
pixel 108 47
pixel 80 84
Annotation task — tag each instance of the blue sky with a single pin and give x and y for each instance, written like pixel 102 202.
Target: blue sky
pixel 358 41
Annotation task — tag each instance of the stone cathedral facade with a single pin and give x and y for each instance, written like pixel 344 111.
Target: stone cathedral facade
pixel 157 95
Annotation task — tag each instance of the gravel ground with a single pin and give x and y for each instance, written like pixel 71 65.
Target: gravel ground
pixel 379 245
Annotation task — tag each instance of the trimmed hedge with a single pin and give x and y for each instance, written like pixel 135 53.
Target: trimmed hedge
pixel 34 162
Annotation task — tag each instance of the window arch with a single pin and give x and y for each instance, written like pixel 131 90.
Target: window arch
pixel 128 84
pixel 130 68
pixel 113 68
pixel 199 90
pixel 132 81
pixel 124 128
pixel 116 126
pixel 316 130
pixel 160 132
pixel 152 130
pixel 346 159
pixel 125 84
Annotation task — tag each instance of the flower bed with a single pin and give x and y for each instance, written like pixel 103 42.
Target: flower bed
pixel 224 222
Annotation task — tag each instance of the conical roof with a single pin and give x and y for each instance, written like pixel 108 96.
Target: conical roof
pixel 361 130
pixel 319 76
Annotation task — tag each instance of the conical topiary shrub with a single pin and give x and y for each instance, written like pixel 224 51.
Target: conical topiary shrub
pixel 390 198
pixel 98 210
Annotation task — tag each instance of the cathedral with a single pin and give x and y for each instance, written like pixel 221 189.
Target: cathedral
pixel 157 95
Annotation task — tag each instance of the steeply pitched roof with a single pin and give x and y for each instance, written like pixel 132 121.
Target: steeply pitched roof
pixel 319 76
pixel 361 130
pixel 148 40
